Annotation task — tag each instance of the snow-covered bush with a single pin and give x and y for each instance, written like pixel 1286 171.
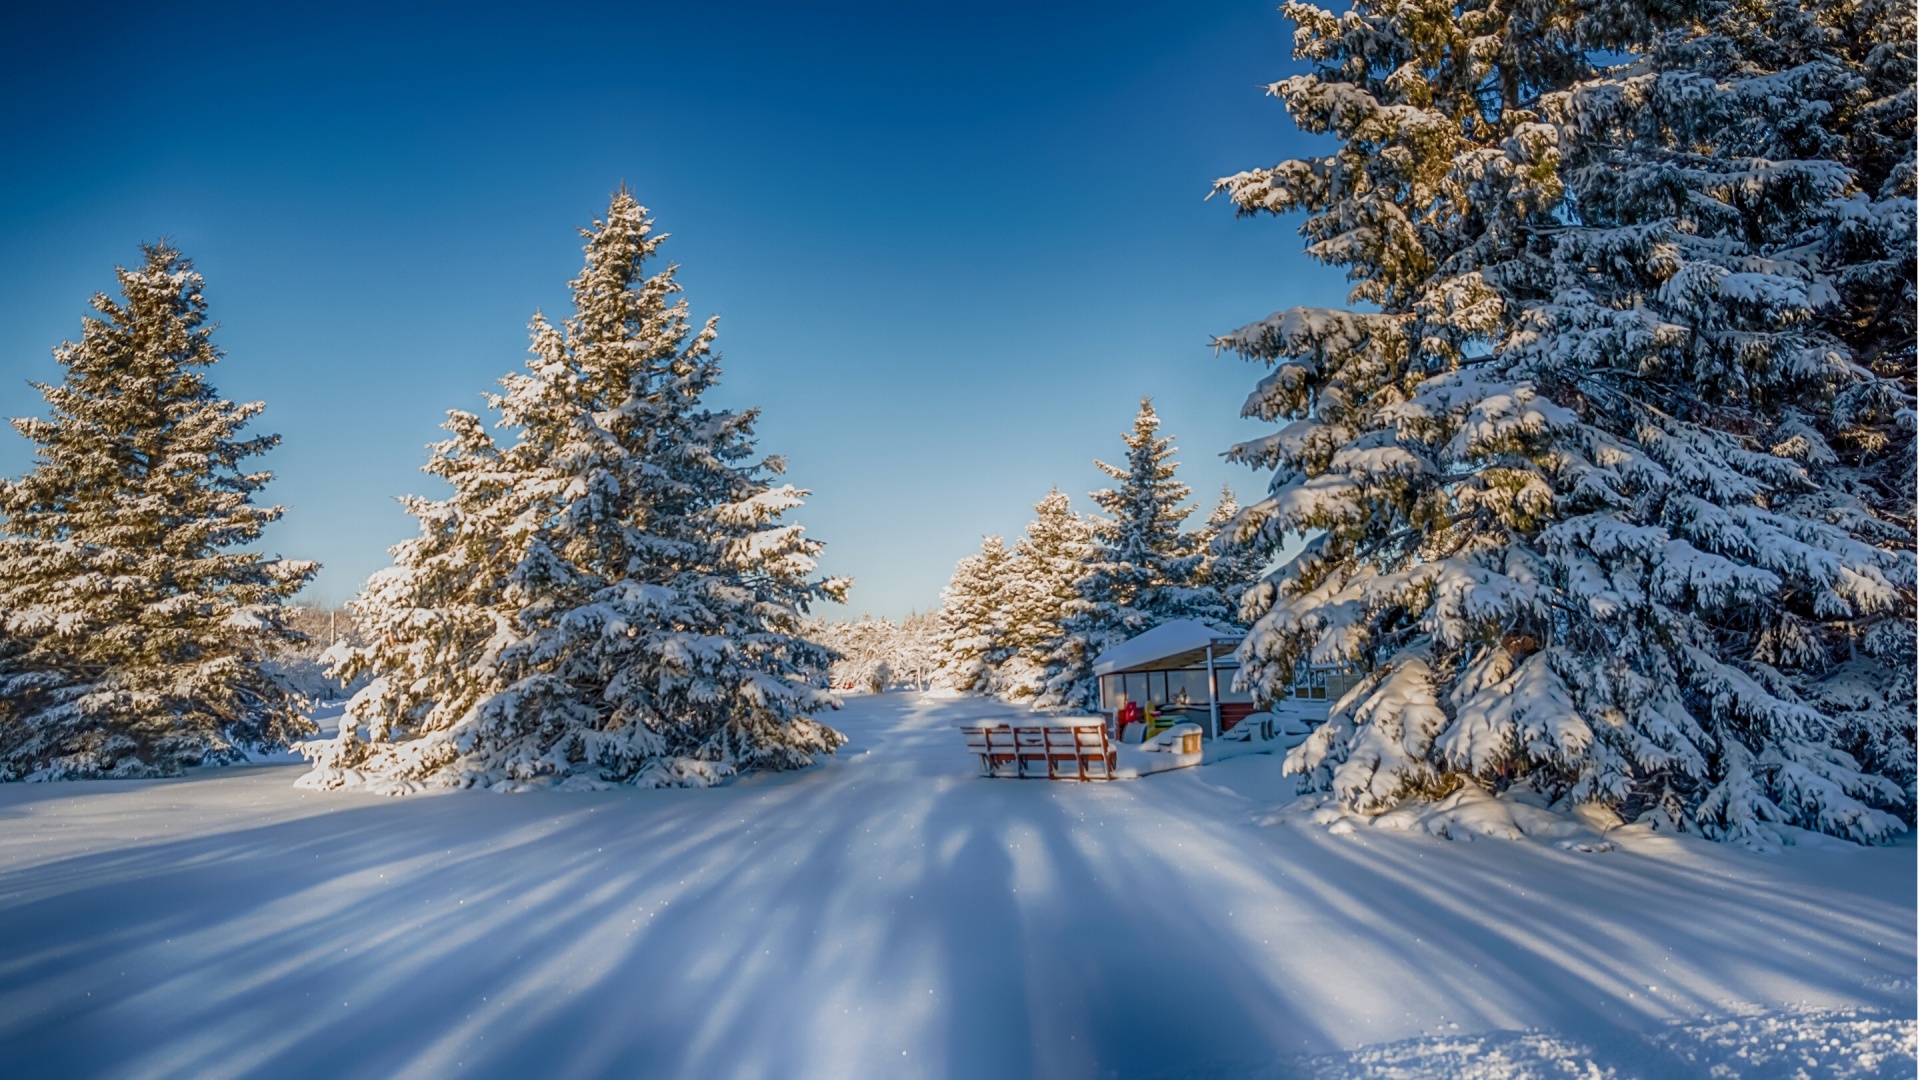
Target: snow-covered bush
pixel 613 596
pixel 1601 486
pixel 136 641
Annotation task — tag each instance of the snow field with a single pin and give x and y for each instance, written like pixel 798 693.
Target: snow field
pixel 891 914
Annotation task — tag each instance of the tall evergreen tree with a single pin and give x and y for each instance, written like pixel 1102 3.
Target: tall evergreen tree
pixel 1143 570
pixel 1862 115
pixel 973 619
pixel 1048 563
pixel 1687 308
pixel 137 637
pixel 1557 489
pixel 612 598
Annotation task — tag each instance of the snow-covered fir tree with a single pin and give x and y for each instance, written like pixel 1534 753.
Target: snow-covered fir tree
pixel 611 598
pixel 1143 570
pixel 139 634
pixel 1043 582
pixel 1696 314
pixel 1863 112
pixel 1229 569
pixel 1568 490
pixel 973 620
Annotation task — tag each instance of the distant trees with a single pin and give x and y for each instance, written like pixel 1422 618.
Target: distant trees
pixel 612 596
pixel 136 640
pixel 915 658
pixel 1026 623
pixel 1043 579
pixel 323 625
pixel 1227 568
pixel 1142 558
pixel 326 633
pixel 973 620
pixel 878 654
pixel 1141 568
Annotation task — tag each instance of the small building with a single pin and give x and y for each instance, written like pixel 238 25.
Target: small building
pixel 1188 667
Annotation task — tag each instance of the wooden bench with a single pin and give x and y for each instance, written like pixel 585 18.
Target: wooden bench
pixel 1056 749
pixel 995 746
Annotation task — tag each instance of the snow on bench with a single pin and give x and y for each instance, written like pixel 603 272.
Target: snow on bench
pixel 1074 748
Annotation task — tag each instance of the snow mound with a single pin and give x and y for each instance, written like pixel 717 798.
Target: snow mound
pixel 1795 1044
pixel 1527 1055
pixel 1467 814
pixel 330 778
pixel 1839 1044
pixel 1161 753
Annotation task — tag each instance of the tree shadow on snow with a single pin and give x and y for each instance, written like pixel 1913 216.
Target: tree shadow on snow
pixel 885 915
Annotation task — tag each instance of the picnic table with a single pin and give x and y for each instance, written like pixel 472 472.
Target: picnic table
pixel 1074 748
pixel 1056 747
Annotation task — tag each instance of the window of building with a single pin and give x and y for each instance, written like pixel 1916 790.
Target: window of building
pixel 1309 682
pixel 1187 687
pixel 1228 695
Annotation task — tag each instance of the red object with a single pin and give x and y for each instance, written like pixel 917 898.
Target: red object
pixel 1231 713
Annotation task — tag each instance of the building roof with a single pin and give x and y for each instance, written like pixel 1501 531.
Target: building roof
pixel 1181 643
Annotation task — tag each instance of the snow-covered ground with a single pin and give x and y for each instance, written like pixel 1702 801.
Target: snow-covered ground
pixel 891 914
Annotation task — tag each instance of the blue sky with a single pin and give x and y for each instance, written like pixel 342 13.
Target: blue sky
pixel 950 247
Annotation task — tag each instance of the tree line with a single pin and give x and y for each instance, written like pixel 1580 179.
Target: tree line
pixel 878 654
pixel 1606 475
pixel 611 595
pixel 1025 623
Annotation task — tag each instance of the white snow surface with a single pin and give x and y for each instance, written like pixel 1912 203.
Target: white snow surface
pixel 890 913
pixel 1168 639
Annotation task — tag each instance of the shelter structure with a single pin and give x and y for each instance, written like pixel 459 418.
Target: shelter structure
pixel 1188 667
pixel 1181 666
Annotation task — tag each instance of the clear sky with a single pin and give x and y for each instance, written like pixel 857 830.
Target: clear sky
pixel 950 245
